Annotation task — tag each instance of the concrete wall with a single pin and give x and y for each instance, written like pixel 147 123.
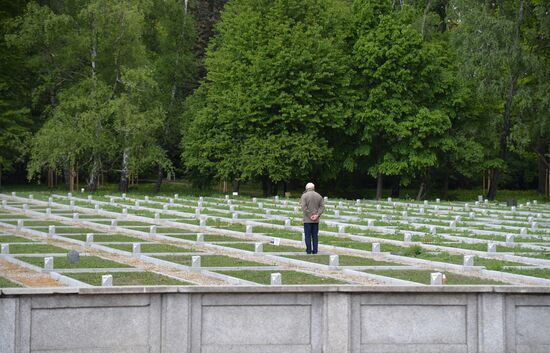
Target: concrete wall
pixel 276 320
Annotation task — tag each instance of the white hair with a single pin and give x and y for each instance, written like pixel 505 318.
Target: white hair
pixel 310 186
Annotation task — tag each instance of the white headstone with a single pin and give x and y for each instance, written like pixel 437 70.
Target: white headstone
pixel 25 207
pixel 89 239
pixel 4 203
pixel 235 193
pixel 276 197
pixel 69 195
pixel 341 230
pixel 378 207
pixel 5 249
pixel 231 208
pixel 97 208
pixel 248 230
pixel 287 223
pixel 171 201
pixel 509 239
pixel 535 202
pixel 491 248
pixel 258 247
pixel 234 215
pixel 296 209
pixel 325 198
pixel 227 197
pixel 107 280
pixel 75 216
pixel 71 204
pixel 458 219
pixel 452 224
pixel 359 210
pixel 195 261
pixel 523 231
pixel 48 211
pixel 389 199
pixel 124 196
pixel 276 279
pixel 421 210
pixel 124 211
pixel 176 196
pixel 513 208
pixel 48 263
pixel 157 217
pixel 433 230
pixel 534 226
pixel 200 237
pixel 146 198
pixel 276 241
pixel 136 203
pixel 407 238
pixel 469 260
pixel 425 202
pixel 201 199
pixel 114 223
pixel 370 223
pixel 472 215
pixel 260 205
pixel 254 200
pixel 436 279
pixel 334 261
pixel 202 223
pixel 90 198
pixel 376 247
pixel 136 248
pixel 51 231
pixel 336 213
pixel 20 224
pixel 268 212
pixel 358 201
pixel 197 212
pixel 153 230
pixel 50 201
pixel 13 194
pixel 438 200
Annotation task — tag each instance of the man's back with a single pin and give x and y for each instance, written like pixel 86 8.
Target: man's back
pixel 311 203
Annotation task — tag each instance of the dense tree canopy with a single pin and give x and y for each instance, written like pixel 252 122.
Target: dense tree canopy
pixel 425 93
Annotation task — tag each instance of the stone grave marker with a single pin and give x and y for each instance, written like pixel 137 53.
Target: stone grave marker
pixel 436 279
pixel 48 263
pixel 276 279
pixel 107 280
pixel 73 257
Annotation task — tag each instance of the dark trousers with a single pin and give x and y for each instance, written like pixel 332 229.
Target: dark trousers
pixel 311 231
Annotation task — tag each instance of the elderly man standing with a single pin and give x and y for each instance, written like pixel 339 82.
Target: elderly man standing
pixel 312 206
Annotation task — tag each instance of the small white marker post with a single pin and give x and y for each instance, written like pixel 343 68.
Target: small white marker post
pixel 436 279
pixel 258 247
pixel 48 263
pixel 334 261
pixel 200 237
pixel 276 279
pixel 196 262
pixel 376 247
pixel 468 260
pixel 107 280
pixel 136 248
pixel 89 239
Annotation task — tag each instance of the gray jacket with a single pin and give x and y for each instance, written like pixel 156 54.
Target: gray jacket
pixel 311 203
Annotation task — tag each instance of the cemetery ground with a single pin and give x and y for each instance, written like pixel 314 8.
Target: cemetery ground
pixel 112 239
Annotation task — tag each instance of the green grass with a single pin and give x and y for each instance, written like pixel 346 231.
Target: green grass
pixel 212 261
pixel 85 262
pixel 267 247
pixel 127 279
pixel 63 230
pixel 345 260
pixel 5 283
pixel 14 239
pixel 288 277
pixel 106 238
pixel 207 237
pixel 150 248
pixel 35 249
pixel 536 272
pixel 421 276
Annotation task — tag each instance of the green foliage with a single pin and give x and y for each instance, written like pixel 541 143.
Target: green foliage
pixel 276 88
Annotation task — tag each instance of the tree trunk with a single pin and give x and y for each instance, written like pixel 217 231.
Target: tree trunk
pixel 379 186
pixel 446 185
pixel 124 172
pixel 265 186
pixel 158 181
pixel 236 185
pixel 420 191
pixel 67 174
pixel 0 175
pixel 493 183
pixel 274 188
pixel 396 189
pixel 92 178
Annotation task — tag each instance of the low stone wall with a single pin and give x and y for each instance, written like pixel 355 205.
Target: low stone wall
pixel 289 319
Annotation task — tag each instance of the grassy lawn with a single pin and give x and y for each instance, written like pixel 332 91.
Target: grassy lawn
pixel 147 248
pixel 345 260
pixel 288 277
pixel 128 279
pixel 85 262
pixel 212 261
pixel 5 283
pixel 207 237
pixel 14 239
pixel 536 272
pixel 421 276
pixel 35 249
pixel 106 238
pixel 267 247
pixel 63 230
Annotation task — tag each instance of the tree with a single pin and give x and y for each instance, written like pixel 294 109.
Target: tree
pixel 277 72
pixel 401 119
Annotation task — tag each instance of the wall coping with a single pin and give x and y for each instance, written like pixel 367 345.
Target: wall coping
pixel 4 292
